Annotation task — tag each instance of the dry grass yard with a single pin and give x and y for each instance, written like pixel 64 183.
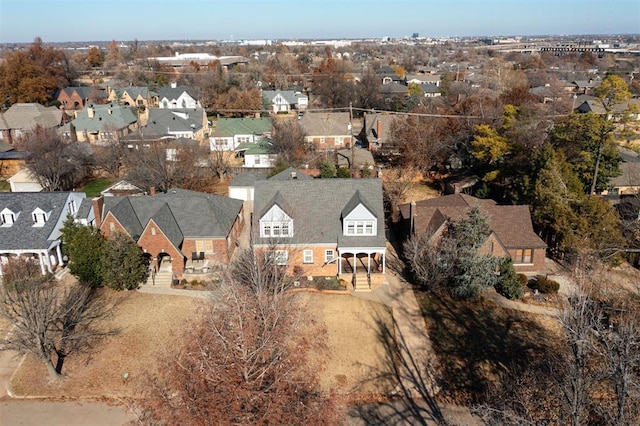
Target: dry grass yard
pixel 147 322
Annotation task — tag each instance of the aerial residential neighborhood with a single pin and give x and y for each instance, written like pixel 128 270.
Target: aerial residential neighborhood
pixel 376 229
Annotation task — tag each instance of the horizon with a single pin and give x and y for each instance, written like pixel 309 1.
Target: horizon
pixel 319 20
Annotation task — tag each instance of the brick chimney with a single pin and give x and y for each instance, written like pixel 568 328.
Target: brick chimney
pixel 152 191
pixel 98 206
pixel 379 129
pixel 90 111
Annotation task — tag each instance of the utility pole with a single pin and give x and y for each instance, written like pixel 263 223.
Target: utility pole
pixel 352 163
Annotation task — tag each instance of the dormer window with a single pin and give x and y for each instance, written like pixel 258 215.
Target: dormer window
pixel 358 219
pixel 7 218
pixel 39 217
pixel 276 224
pixel 359 227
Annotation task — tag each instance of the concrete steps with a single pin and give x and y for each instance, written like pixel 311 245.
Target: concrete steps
pixel 162 280
pixel 361 283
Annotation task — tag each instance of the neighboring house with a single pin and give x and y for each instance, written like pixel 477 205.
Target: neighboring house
pixel 176 123
pixel 24 181
pixel 376 130
pixel 423 79
pixel 231 132
pixel 122 188
pixel 285 100
pixel 327 130
pixel 585 87
pixel 388 75
pixel 430 90
pixel 257 155
pixel 393 90
pixel 356 158
pixel 631 108
pixel 628 183
pixel 511 229
pixel 11 161
pixel 22 118
pixel 30 225
pixel 204 60
pixel 242 186
pixel 323 227
pixel 176 227
pixel 139 97
pixel 175 96
pixel 103 124
pixel 72 98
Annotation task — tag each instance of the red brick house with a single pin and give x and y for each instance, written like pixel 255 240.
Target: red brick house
pixel 511 229
pixel 175 229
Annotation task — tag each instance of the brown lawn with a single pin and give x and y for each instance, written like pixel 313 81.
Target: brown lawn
pixel 356 360
pixel 147 323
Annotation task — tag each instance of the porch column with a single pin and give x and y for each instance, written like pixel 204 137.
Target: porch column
pixel 339 263
pixel 59 254
pixel 47 261
pixel 384 262
pixel 368 263
pixel 41 264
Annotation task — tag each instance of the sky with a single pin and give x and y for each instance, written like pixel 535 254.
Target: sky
pixel 125 20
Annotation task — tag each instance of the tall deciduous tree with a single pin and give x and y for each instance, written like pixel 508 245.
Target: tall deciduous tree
pixel 587 143
pixel 245 360
pixel 57 164
pixel 332 82
pixel 33 75
pixel 50 321
pixel 288 141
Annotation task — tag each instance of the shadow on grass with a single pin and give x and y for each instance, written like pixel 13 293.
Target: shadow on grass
pixel 480 345
pixel 412 400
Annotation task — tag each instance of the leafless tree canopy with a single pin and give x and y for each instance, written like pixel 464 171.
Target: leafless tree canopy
pixel 58 165
pixel 50 320
pixel 245 360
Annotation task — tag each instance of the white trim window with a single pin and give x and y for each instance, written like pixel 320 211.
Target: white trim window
pixel 307 256
pixel 359 227
pixel 7 218
pixel 278 257
pixel 276 229
pixel 329 256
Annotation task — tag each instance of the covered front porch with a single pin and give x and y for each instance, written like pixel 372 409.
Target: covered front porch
pixel 364 268
pixel 48 259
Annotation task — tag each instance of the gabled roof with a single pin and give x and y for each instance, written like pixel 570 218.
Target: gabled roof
pixel 261 147
pixel 183 212
pixel 107 117
pixel 28 116
pixel 246 179
pixel 84 92
pixel 228 127
pixel 354 202
pixel 173 93
pixel 22 235
pixel 163 121
pixel 372 125
pixel 325 123
pixel 289 95
pixel 316 207
pixel 511 224
pixel 133 91
pixel 290 173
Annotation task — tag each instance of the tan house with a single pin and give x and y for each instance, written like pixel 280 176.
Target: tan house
pixel 180 231
pixel 22 118
pixel 511 235
pixel 139 97
pixel 102 124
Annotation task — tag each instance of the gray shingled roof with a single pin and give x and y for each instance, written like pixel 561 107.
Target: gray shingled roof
pixel 184 213
pixel 325 123
pixel 288 174
pixel 28 116
pixel 22 235
pixel 247 179
pixel 107 117
pixel 163 120
pixel 173 93
pixel 317 207
pixel 289 95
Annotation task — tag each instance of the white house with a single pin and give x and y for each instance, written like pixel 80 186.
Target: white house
pixel 285 100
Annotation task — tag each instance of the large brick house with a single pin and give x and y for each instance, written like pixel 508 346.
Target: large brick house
pixel 323 227
pixel 511 235
pixel 176 227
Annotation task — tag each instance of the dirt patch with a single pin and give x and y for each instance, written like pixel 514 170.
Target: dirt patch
pixel 145 322
pixel 356 361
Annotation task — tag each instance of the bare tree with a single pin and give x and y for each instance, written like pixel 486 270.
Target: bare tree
pixel 58 165
pixel 245 360
pixel 49 319
pixel 288 141
pixel 111 158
